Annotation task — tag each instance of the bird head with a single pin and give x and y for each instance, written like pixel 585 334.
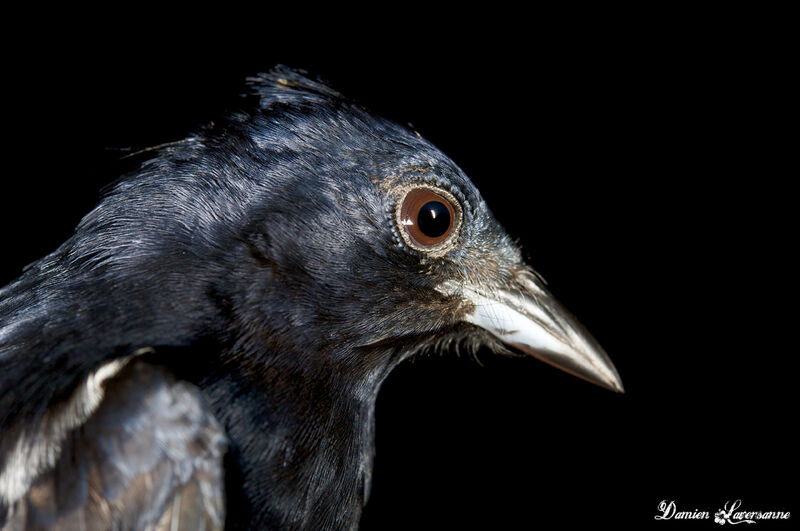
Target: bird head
pixel 305 234
pixel 365 244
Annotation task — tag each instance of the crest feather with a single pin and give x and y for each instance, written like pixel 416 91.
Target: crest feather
pixel 287 85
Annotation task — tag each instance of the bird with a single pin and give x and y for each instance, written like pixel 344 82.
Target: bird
pixel 206 349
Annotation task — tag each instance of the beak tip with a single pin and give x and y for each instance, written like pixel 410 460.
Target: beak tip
pixel 611 379
pixel 611 382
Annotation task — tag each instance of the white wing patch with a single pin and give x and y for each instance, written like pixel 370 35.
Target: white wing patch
pixel 38 447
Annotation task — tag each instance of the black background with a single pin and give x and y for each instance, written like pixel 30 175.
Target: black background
pixel 638 163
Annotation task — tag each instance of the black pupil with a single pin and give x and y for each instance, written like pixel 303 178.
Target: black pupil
pixel 433 219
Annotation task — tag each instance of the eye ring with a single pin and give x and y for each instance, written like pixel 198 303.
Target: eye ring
pixel 429 219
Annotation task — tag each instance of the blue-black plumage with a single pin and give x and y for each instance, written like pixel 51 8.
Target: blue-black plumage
pixel 266 273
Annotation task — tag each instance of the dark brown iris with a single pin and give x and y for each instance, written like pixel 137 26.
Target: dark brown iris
pixel 427 217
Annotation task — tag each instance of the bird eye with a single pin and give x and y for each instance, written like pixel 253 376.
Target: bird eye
pixel 428 218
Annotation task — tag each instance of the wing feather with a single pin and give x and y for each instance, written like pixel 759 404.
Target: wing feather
pixel 150 457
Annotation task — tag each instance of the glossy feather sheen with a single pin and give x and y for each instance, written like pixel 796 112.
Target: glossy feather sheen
pixel 149 457
pixel 261 262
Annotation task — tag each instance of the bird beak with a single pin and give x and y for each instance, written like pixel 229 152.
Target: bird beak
pixel 525 316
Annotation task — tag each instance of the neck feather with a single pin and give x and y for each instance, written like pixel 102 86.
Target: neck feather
pixel 302 443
